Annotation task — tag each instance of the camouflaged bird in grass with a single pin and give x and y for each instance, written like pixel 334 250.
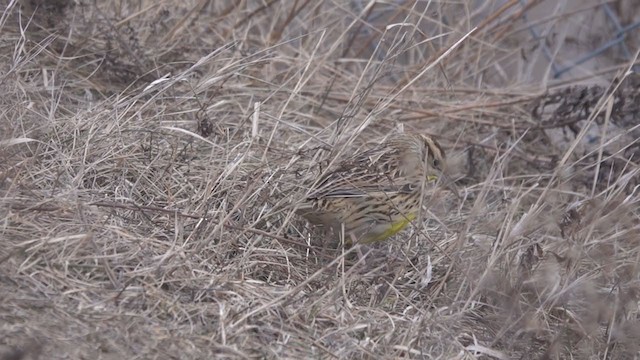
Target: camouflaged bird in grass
pixel 374 194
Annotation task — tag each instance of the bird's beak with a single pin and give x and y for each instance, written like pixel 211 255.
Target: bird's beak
pixel 449 185
pixel 446 182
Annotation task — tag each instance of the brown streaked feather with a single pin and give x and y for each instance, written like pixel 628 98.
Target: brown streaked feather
pixel 372 170
pixel 375 190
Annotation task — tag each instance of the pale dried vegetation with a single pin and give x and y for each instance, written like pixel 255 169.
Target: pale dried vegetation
pixel 151 153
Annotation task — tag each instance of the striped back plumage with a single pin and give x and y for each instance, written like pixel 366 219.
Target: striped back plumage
pixel 374 190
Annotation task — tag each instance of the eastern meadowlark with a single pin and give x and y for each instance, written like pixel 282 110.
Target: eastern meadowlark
pixel 374 194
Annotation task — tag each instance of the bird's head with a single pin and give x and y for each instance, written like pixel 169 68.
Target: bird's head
pixel 431 160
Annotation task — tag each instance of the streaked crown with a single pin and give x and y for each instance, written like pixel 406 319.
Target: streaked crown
pixel 418 155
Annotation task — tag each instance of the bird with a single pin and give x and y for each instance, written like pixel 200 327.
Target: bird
pixel 374 194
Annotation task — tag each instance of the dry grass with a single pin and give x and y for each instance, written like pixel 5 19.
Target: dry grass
pixel 151 154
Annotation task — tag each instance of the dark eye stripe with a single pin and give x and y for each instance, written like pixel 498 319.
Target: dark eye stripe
pixel 435 152
pixel 435 147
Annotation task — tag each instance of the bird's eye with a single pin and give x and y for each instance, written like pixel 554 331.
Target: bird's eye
pixel 436 163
